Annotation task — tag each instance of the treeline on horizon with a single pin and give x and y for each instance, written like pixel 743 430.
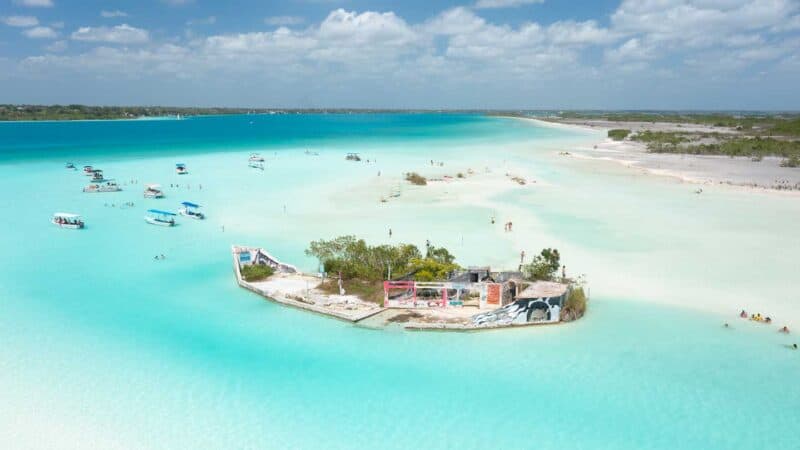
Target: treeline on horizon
pixel 17 112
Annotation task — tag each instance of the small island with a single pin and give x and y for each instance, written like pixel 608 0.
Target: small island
pixel 385 285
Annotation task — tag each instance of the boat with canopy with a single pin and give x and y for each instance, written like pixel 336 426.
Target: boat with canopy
pixel 108 186
pixel 67 220
pixel 97 176
pixel 161 218
pixel 153 191
pixel 190 209
pixel 181 169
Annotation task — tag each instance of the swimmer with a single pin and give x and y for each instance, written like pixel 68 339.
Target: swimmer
pixel 784 330
pixel 743 314
pixel 726 325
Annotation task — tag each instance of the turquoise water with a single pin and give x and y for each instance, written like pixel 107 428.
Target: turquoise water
pixel 104 347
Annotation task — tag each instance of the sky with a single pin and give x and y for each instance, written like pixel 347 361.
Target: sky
pixel 505 54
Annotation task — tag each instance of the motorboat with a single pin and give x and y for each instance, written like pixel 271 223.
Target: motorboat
pixel 256 165
pixel 153 191
pixel 97 176
pixel 255 157
pixel 161 218
pixel 67 220
pixel 353 157
pixel 69 165
pixel 87 170
pixel 181 169
pixel 190 209
pixel 108 186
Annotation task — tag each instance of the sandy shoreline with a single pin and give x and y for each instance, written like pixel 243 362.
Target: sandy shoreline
pixel 766 175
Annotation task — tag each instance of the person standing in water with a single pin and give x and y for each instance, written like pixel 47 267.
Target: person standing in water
pixel 390 232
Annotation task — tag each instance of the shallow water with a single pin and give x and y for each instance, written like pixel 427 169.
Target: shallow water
pixel 104 347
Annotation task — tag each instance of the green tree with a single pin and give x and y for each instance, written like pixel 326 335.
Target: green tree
pixel 544 265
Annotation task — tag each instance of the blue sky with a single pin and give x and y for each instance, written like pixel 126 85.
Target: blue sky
pixel 604 54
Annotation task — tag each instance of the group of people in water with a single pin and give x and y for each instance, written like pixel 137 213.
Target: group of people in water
pixel 159 257
pixel 764 319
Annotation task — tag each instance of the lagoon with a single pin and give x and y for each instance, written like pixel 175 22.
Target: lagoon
pixel 104 347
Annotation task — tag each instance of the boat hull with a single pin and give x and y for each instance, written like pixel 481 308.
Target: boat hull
pixel 69 226
pixel 160 223
pixel 196 216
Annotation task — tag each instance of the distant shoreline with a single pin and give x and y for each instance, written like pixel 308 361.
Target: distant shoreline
pixel 738 172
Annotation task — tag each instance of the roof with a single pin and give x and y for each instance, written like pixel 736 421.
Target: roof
pixel 158 211
pixel 190 204
pixel 67 215
pixel 539 289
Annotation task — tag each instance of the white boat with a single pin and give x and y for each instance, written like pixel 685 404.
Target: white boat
pixel 255 157
pixel 108 186
pixel 161 218
pixel 256 165
pixel 181 169
pixel 97 176
pixel 190 209
pixel 87 170
pixel 67 220
pixel 153 191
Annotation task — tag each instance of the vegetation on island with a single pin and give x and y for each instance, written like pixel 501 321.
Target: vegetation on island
pixel 754 147
pixel 775 124
pixel 575 305
pixel 363 267
pixel 256 272
pixel 544 266
pixel 618 134
pixel 417 179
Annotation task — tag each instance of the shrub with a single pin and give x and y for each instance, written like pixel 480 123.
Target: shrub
pixel 792 161
pixel 256 272
pixel 415 178
pixel 576 302
pixel 618 134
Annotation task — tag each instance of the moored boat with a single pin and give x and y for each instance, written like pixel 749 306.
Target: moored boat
pixel 161 218
pixel 153 191
pixel 108 186
pixel 256 157
pixel 67 220
pixel 190 209
pixel 87 170
pixel 256 165
pixel 181 169
pixel 69 165
pixel 97 176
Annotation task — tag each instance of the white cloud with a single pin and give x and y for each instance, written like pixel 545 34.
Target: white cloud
pixel 488 4
pixel 112 14
pixel 120 34
pixel 40 33
pixel 457 44
pixel 56 47
pixel 20 21
pixel 631 51
pixel 35 3
pixel 455 21
pixel 698 23
pixel 284 20
pixel 570 32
